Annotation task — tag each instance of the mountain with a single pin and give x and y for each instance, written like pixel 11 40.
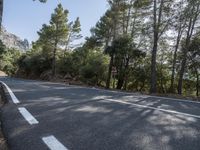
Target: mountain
pixel 12 41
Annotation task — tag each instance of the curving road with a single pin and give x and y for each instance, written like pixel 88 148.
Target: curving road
pixel 44 115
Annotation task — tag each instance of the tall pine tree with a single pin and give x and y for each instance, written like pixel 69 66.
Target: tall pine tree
pixel 55 34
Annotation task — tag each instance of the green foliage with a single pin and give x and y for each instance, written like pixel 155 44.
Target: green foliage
pixel 139 75
pixel 33 64
pixel 54 35
pixel 119 50
pixel 124 51
pixel 94 71
pixel 87 65
pixel 57 31
pixel 2 49
pixel 8 61
pixel 74 33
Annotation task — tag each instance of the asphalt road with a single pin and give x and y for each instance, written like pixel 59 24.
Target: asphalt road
pixel 60 117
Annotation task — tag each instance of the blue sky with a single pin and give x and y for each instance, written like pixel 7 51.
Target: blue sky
pixel 25 17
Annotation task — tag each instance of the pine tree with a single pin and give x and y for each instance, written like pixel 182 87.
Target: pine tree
pixel 74 33
pixel 192 15
pixel 55 34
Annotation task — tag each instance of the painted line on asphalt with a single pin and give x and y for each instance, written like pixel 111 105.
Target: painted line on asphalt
pixel 154 108
pixel 175 99
pixel 12 95
pixel 139 95
pixel 53 143
pixel 160 97
pixel 27 115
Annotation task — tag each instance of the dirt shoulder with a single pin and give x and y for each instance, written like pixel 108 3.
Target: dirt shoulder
pixel 3 142
pixel 2 73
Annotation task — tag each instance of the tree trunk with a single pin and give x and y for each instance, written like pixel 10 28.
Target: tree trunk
pixel 126 81
pixel 1 13
pixel 183 65
pixel 120 76
pixel 67 43
pixel 109 72
pixel 197 84
pixel 174 62
pixel 153 88
pixel 120 83
pixel 191 25
pixel 126 73
pixel 123 73
pixel 142 86
pixel 54 60
pixel 180 32
pixel 113 82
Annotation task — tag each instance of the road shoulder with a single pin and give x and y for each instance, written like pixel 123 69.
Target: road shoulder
pixel 3 141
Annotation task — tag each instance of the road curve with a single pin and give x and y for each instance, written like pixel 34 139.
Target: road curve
pixel 55 116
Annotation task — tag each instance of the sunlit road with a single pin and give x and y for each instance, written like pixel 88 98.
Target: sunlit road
pixel 43 115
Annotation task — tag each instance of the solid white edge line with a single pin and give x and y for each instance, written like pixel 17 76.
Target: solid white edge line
pixel 150 96
pixel 134 94
pixel 154 108
pixel 53 143
pixel 27 115
pixel 12 95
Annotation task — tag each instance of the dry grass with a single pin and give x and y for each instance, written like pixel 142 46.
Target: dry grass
pixel 2 73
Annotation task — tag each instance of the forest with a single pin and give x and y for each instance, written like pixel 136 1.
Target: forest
pixel 149 46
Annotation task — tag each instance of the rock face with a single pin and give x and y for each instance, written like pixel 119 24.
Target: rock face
pixel 12 41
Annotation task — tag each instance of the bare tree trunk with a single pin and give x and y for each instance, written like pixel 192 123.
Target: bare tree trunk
pixel 126 73
pixel 1 13
pixel 156 27
pixel 67 43
pixel 109 72
pixel 197 83
pixel 174 61
pixel 120 83
pixel 183 64
pixel 154 53
pixel 180 32
pixel 191 25
pixel 153 68
pixel 129 15
pixel 120 76
pixel 114 25
pixel 54 60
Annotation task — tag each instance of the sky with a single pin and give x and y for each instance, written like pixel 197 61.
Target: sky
pixel 25 17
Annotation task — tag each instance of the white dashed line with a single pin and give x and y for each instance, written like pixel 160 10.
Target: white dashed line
pixel 53 143
pixel 154 108
pixel 12 95
pixel 27 115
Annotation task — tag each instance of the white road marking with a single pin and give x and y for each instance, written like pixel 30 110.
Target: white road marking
pixel 150 96
pixel 176 99
pixel 12 95
pixel 139 95
pixel 154 108
pixel 27 115
pixel 53 143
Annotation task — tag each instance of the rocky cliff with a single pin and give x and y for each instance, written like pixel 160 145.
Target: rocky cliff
pixel 13 41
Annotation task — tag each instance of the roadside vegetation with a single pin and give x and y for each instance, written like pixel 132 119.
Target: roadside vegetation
pixel 137 45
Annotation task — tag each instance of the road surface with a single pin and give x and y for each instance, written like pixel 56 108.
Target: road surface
pixel 44 115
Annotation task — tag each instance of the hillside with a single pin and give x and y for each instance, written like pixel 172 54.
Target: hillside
pixel 13 41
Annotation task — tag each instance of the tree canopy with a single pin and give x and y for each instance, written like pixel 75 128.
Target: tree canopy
pixel 137 45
